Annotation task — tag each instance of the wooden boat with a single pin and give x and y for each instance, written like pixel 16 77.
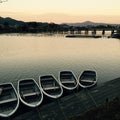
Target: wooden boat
pixel 29 92
pixel 50 86
pixel 9 100
pixel 68 80
pixel 87 79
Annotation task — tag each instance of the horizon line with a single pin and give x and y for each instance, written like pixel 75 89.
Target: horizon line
pixel 59 23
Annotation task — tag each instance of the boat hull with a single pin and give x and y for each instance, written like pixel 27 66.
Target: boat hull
pixel 68 80
pixel 50 86
pixel 88 79
pixel 9 100
pixel 29 92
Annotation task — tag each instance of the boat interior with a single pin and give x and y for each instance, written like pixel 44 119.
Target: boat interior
pixel 68 79
pixel 8 99
pixel 29 92
pixel 50 85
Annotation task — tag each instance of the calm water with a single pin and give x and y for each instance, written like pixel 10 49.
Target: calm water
pixel 28 56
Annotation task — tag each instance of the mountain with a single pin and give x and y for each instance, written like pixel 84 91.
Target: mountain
pixel 10 21
pixel 86 23
pixel 14 22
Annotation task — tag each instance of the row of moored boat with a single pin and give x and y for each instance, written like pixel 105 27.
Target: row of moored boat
pixel 31 94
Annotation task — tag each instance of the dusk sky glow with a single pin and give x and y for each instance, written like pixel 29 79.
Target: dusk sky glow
pixel 60 11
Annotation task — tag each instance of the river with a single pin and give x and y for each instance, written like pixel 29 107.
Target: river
pixel 31 55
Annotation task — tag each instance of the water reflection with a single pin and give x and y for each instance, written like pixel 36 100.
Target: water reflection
pixel 31 56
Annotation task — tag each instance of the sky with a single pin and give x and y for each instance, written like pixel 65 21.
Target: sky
pixel 62 11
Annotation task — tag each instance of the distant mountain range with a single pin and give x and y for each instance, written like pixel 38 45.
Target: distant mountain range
pixel 13 22
pixel 87 23
pixel 10 21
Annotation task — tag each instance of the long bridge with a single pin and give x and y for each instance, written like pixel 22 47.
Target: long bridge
pixel 92 31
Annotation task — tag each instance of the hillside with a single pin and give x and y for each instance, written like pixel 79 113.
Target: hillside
pixel 9 25
pixel 10 21
pixel 18 22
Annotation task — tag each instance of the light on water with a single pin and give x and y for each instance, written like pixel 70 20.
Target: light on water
pixel 31 56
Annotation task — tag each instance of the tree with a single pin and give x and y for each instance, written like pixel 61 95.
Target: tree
pixel 1 1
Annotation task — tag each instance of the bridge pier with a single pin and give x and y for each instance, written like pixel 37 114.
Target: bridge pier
pixel 94 32
pixel 79 31
pixel 71 32
pixel 86 32
pixel 118 31
pixel 103 32
pixel 112 32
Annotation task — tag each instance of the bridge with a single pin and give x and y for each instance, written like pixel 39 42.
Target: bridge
pixel 92 31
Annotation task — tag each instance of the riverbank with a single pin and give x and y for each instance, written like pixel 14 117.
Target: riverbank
pixel 110 110
pixel 72 105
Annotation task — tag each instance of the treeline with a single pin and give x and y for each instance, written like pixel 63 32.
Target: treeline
pixel 31 27
pixel 37 27
pixel 109 111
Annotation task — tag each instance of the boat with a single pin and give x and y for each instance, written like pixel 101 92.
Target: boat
pixel 88 79
pixel 68 80
pixel 9 100
pixel 83 36
pixel 115 35
pixel 29 92
pixel 50 86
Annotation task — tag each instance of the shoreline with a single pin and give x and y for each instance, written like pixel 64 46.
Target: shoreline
pixel 70 106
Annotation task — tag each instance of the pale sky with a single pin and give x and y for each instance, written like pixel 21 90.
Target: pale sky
pixel 60 11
